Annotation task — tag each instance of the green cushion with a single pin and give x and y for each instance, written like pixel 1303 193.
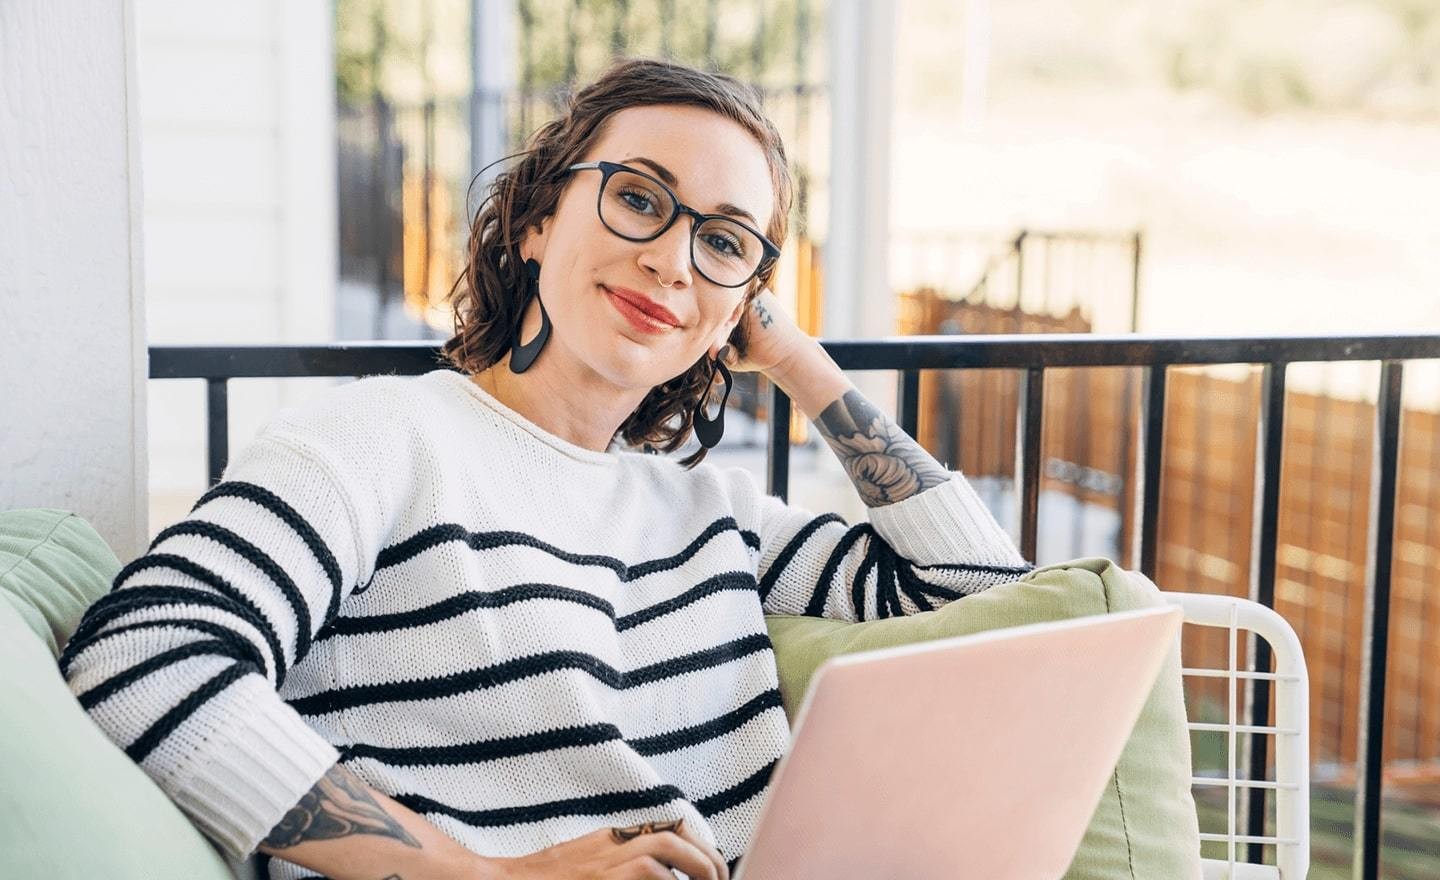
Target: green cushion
pixel 1145 826
pixel 72 804
pixel 52 566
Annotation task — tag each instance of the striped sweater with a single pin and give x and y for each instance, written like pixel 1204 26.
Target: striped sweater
pixel 519 638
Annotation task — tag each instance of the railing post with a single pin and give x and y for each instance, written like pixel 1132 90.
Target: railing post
pixel 1270 447
pixel 217 418
pixel 1019 246
pixel 1135 286
pixel 1371 717
pixel 907 402
pixel 1028 436
pixel 1152 449
pixel 777 452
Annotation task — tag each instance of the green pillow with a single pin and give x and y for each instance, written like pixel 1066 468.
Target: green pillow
pixel 1145 826
pixel 72 804
pixel 52 567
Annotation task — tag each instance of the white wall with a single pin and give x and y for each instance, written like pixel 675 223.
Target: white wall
pixel 237 107
pixel 72 360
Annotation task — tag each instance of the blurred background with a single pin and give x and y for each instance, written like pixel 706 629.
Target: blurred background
pixel 1197 168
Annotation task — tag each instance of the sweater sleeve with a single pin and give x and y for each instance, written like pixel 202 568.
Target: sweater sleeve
pixel 180 663
pixel 912 556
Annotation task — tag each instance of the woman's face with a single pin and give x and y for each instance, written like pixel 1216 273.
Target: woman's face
pixel 589 276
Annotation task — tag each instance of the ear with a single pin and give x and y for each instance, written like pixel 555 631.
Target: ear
pixel 532 246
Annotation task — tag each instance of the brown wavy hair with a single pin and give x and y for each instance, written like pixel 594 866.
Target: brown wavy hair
pixel 489 296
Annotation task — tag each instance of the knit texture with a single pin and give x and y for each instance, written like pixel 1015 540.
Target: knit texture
pixel 519 638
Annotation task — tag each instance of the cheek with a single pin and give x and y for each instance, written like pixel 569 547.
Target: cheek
pixel 575 234
pixel 721 307
pixel 711 323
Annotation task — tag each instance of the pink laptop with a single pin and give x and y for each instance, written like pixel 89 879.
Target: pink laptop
pixel 982 756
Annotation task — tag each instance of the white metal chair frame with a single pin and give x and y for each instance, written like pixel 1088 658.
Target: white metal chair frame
pixel 1291 731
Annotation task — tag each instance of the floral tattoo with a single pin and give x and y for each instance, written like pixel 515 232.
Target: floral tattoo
pixel 337 806
pixel 885 464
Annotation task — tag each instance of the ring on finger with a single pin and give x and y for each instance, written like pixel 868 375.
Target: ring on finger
pixel 628 833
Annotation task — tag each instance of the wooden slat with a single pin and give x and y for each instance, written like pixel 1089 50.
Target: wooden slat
pixel 1206 513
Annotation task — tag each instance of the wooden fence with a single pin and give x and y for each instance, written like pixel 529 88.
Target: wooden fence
pixel 1207 506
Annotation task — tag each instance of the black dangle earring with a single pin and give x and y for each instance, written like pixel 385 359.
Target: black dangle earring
pixel 707 430
pixel 522 356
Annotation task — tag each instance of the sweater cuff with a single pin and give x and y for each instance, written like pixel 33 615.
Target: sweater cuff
pixel 946 524
pixel 259 760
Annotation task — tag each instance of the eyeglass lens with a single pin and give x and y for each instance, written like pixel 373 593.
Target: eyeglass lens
pixel 634 207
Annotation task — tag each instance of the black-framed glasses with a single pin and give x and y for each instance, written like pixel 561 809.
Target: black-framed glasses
pixel 637 207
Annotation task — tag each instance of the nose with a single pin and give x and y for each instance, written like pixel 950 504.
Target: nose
pixel 667 258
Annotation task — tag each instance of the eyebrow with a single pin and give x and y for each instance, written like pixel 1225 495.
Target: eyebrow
pixel 672 181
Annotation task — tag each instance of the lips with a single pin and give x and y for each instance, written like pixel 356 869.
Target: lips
pixel 643 304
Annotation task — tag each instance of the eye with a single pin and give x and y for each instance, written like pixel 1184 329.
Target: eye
pixel 724 243
pixel 638 200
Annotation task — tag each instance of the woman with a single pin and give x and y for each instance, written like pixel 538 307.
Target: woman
pixel 445 626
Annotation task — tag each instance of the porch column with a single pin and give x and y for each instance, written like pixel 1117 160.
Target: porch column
pixel 72 331
pixel 858 303
pixel 492 70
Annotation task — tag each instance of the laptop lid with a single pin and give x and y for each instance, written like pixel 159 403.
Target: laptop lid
pixel 980 756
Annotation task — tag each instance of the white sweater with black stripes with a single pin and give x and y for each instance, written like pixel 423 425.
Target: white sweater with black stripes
pixel 519 638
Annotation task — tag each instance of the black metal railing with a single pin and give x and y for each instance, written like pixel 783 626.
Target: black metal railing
pixel 1032 355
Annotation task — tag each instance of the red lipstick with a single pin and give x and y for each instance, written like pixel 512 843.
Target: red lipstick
pixel 643 312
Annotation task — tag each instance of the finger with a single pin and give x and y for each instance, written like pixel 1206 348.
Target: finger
pixel 646 868
pixel 673 851
pixel 694 837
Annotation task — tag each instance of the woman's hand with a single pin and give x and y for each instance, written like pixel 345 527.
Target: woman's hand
pixel 789 357
pixel 597 856
pixel 774 336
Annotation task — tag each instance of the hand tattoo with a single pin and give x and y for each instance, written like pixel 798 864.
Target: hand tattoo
pixel 885 464
pixel 766 319
pixel 337 806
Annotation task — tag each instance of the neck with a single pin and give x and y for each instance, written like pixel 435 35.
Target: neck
pixel 566 399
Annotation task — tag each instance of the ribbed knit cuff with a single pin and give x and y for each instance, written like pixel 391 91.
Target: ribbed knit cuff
pixel 256 764
pixel 946 523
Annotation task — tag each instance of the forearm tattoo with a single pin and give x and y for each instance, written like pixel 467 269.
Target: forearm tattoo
pixel 763 314
pixel 337 806
pixel 884 462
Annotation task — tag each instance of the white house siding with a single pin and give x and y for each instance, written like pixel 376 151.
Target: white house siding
pixel 237 114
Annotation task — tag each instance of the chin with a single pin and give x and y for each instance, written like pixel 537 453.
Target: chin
pixel 631 365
